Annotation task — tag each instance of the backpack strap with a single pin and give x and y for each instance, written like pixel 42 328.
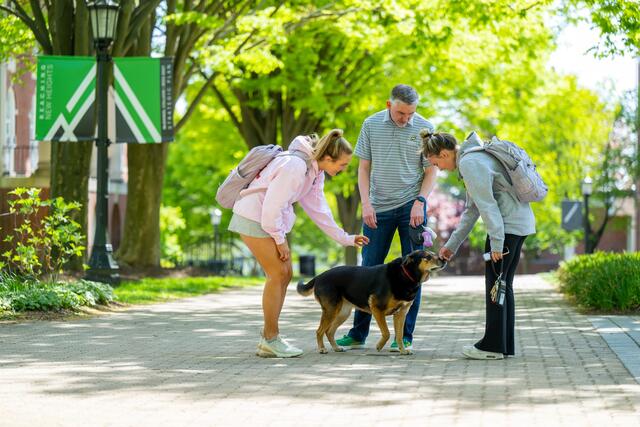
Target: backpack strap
pixel 473 150
pixel 299 154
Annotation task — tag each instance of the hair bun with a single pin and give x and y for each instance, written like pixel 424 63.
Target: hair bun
pixel 337 133
pixel 426 133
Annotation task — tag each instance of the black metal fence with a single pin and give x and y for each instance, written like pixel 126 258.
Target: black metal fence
pixel 223 255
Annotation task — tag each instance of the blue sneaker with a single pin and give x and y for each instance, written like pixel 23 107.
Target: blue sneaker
pixel 408 345
pixel 349 343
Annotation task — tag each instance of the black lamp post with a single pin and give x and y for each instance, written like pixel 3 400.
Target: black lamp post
pixel 104 19
pixel 587 186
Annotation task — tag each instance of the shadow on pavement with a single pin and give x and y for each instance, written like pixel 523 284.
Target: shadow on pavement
pixel 204 349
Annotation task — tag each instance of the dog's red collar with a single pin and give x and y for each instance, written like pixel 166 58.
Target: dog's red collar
pixel 406 273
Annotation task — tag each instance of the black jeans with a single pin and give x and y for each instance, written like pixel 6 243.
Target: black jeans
pixel 500 323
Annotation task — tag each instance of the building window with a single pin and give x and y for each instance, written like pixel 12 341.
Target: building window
pixel 9 146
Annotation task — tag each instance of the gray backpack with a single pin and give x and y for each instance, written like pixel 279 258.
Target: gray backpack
pixel 526 182
pixel 249 167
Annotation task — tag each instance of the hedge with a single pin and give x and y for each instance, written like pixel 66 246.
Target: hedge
pixel 603 281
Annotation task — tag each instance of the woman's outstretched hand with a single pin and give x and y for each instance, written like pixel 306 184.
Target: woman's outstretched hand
pixel 361 240
pixel 446 254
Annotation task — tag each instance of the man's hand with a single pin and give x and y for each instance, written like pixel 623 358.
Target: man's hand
pixel 417 214
pixel 445 253
pixel 283 251
pixel 369 215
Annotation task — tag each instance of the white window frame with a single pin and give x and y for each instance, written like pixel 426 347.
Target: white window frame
pixel 9 146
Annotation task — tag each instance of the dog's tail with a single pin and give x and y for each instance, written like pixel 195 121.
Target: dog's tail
pixel 305 290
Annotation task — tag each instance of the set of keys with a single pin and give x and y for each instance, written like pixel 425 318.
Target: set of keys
pixel 499 291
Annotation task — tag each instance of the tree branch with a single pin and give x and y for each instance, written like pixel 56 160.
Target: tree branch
pixel 195 102
pixel 20 13
pixel 39 19
pixel 171 34
pixel 138 18
pixel 228 109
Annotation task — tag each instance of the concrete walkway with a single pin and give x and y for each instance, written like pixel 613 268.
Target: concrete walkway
pixel 192 363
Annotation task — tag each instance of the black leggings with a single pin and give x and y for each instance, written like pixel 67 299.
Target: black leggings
pixel 500 323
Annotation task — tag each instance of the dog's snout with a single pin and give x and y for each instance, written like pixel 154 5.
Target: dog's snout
pixel 443 263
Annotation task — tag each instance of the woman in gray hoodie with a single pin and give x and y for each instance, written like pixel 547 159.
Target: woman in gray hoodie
pixel 508 222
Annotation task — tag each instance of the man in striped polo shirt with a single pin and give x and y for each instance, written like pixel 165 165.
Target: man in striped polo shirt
pixel 394 180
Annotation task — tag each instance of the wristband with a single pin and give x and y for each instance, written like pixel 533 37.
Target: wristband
pixel 424 208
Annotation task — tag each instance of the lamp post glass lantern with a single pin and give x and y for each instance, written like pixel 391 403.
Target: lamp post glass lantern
pixel 587 188
pixel 104 19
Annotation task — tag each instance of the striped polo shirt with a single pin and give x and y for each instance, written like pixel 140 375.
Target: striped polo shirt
pixel 397 165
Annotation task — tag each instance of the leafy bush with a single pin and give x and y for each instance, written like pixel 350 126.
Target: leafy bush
pixel 40 244
pixel 603 281
pixel 22 294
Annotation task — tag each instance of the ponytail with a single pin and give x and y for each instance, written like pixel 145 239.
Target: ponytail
pixel 332 144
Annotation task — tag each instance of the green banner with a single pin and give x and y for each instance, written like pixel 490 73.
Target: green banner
pixel 65 98
pixel 143 98
pixel 142 92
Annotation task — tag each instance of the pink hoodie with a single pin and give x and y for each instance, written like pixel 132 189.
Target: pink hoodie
pixel 270 197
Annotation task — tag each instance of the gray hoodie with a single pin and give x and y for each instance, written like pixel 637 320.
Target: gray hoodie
pixel 489 195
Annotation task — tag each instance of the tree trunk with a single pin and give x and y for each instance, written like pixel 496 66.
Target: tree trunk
pixel 70 161
pixel 70 180
pixel 637 170
pixel 140 246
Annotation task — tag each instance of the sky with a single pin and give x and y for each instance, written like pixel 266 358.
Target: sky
pixel 571 57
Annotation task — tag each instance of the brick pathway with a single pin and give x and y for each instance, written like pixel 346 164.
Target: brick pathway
pixel 192 363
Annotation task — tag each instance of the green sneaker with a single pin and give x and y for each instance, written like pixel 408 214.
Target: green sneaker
pixel 408 345
pixel 349 343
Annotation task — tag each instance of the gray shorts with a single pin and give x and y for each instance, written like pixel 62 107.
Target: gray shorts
pixel 245 226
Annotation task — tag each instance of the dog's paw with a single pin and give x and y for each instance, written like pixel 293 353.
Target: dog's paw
pixel 323 351
pixel 339 349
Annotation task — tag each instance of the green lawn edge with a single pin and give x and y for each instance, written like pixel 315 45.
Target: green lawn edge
pixel 156 290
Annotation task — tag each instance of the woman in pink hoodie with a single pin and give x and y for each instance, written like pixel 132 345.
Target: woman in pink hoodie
pixel 263 215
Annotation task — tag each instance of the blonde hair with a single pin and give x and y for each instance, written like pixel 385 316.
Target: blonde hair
pixel 332 144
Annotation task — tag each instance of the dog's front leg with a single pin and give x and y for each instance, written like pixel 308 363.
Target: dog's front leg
pixel 398 327
pixel 382 324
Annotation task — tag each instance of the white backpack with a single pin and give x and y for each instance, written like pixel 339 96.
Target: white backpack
pixel 526 182
pixel 249 167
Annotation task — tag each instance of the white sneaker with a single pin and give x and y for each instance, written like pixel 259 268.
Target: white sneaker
pixel 277 347
pixel 472 352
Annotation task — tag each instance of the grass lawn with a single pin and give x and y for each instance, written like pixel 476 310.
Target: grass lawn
pixel 130 292
pixel 148 291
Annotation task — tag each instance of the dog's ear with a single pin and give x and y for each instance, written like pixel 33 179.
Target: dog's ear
pixel 408 259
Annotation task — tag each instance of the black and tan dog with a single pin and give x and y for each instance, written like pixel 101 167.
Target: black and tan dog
pixel 381 290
